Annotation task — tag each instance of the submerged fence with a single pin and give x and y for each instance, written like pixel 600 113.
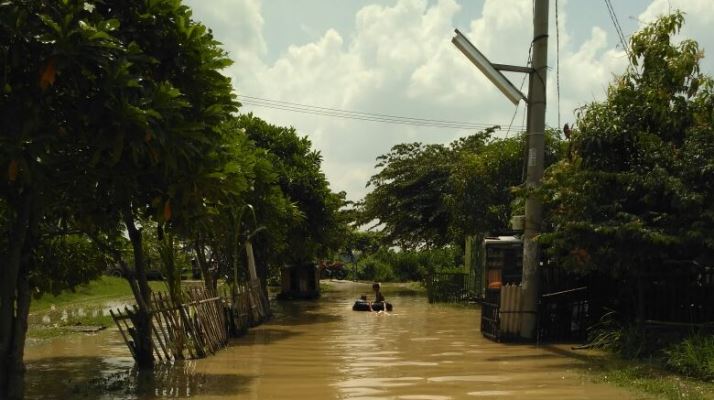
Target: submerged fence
pixel 191 329
pixel 564 316
pixel 200 325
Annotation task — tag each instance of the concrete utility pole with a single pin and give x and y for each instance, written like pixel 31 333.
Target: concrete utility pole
pixel 536 130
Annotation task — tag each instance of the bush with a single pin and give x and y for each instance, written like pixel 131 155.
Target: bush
pixel 693 356
pixel 389 265
pixel 629 340
pixel 373 269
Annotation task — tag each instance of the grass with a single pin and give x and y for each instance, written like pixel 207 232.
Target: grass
pixel 651 378
pixel 103 289
pixel 694 357
pixel 90 296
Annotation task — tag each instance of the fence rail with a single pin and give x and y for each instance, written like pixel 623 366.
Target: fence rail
pixel 191 329
pixel 564 316
pixel 198 326
pixel 449 287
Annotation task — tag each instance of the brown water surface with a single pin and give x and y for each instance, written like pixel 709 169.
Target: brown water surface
pixel 323 350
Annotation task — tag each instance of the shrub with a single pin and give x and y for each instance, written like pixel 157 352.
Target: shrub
pixel 629 340
pixel 374 269
pixel 693 356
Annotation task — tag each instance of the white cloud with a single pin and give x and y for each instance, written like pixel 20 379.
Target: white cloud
pixel 699 17
pixel 399 60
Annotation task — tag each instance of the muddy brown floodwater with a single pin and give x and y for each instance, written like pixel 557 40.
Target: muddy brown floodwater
pixel 324 350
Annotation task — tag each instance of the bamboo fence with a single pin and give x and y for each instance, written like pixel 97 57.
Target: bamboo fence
pixel 200 325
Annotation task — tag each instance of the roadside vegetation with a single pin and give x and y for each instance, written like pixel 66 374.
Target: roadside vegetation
pixel 650 377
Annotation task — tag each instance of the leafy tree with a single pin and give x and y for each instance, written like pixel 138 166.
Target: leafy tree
pixel 57 58
pixel 636 190
pixel 485 183
pixel 301 180
pixel 108 110
pixel 434 195
pixel 409 195
pixel 409 199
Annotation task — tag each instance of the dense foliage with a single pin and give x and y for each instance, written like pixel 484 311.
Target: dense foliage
pixel 299 176
pixel 385 265
pixel 637 188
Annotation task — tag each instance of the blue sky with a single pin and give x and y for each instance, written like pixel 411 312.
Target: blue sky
pixel 395 57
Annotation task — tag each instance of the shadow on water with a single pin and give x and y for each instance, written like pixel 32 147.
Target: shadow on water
pixel 295 313
pixel 522 357
pixel 306 319
pixel 266 336
pixel 564 352
pixel 95 378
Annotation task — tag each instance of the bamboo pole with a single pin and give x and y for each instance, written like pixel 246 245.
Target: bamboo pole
pixel 123 335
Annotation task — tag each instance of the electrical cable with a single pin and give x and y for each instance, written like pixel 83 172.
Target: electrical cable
pixel 618 28
pixel 520 89
pixel 358 115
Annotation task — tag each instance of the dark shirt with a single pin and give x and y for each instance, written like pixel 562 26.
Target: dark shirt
pixel 379 297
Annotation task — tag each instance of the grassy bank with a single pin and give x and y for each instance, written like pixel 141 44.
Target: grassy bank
pixel 649 377
pixel 89 298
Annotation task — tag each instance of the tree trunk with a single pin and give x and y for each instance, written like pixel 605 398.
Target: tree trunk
pixel 209 280
pixel 13 310
pixel 16 381
pixel 142 318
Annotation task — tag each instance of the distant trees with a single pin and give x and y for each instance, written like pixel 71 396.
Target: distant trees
pixel 434 195
pixel 637 189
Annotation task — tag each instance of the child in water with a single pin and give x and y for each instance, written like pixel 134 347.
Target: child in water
pixel 378 296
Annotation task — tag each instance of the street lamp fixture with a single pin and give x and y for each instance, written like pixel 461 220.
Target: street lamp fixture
pixel 488 69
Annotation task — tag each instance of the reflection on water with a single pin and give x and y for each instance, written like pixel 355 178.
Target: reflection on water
pixel 323 350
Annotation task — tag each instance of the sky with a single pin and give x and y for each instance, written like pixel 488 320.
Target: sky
pixel 395 57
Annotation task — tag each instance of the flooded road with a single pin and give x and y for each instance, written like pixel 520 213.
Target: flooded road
pixel 323 350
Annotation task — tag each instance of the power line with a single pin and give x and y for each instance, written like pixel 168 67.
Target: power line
pixel 359 115
pixel 520 89
pixel 618 28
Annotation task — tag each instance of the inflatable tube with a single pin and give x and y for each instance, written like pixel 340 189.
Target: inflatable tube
pixel 361 305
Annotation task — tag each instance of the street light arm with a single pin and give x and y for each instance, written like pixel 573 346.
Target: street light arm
pixel 488 69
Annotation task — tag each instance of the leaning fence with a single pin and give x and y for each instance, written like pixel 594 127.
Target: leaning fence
pixel 192 329
pixel 199 325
